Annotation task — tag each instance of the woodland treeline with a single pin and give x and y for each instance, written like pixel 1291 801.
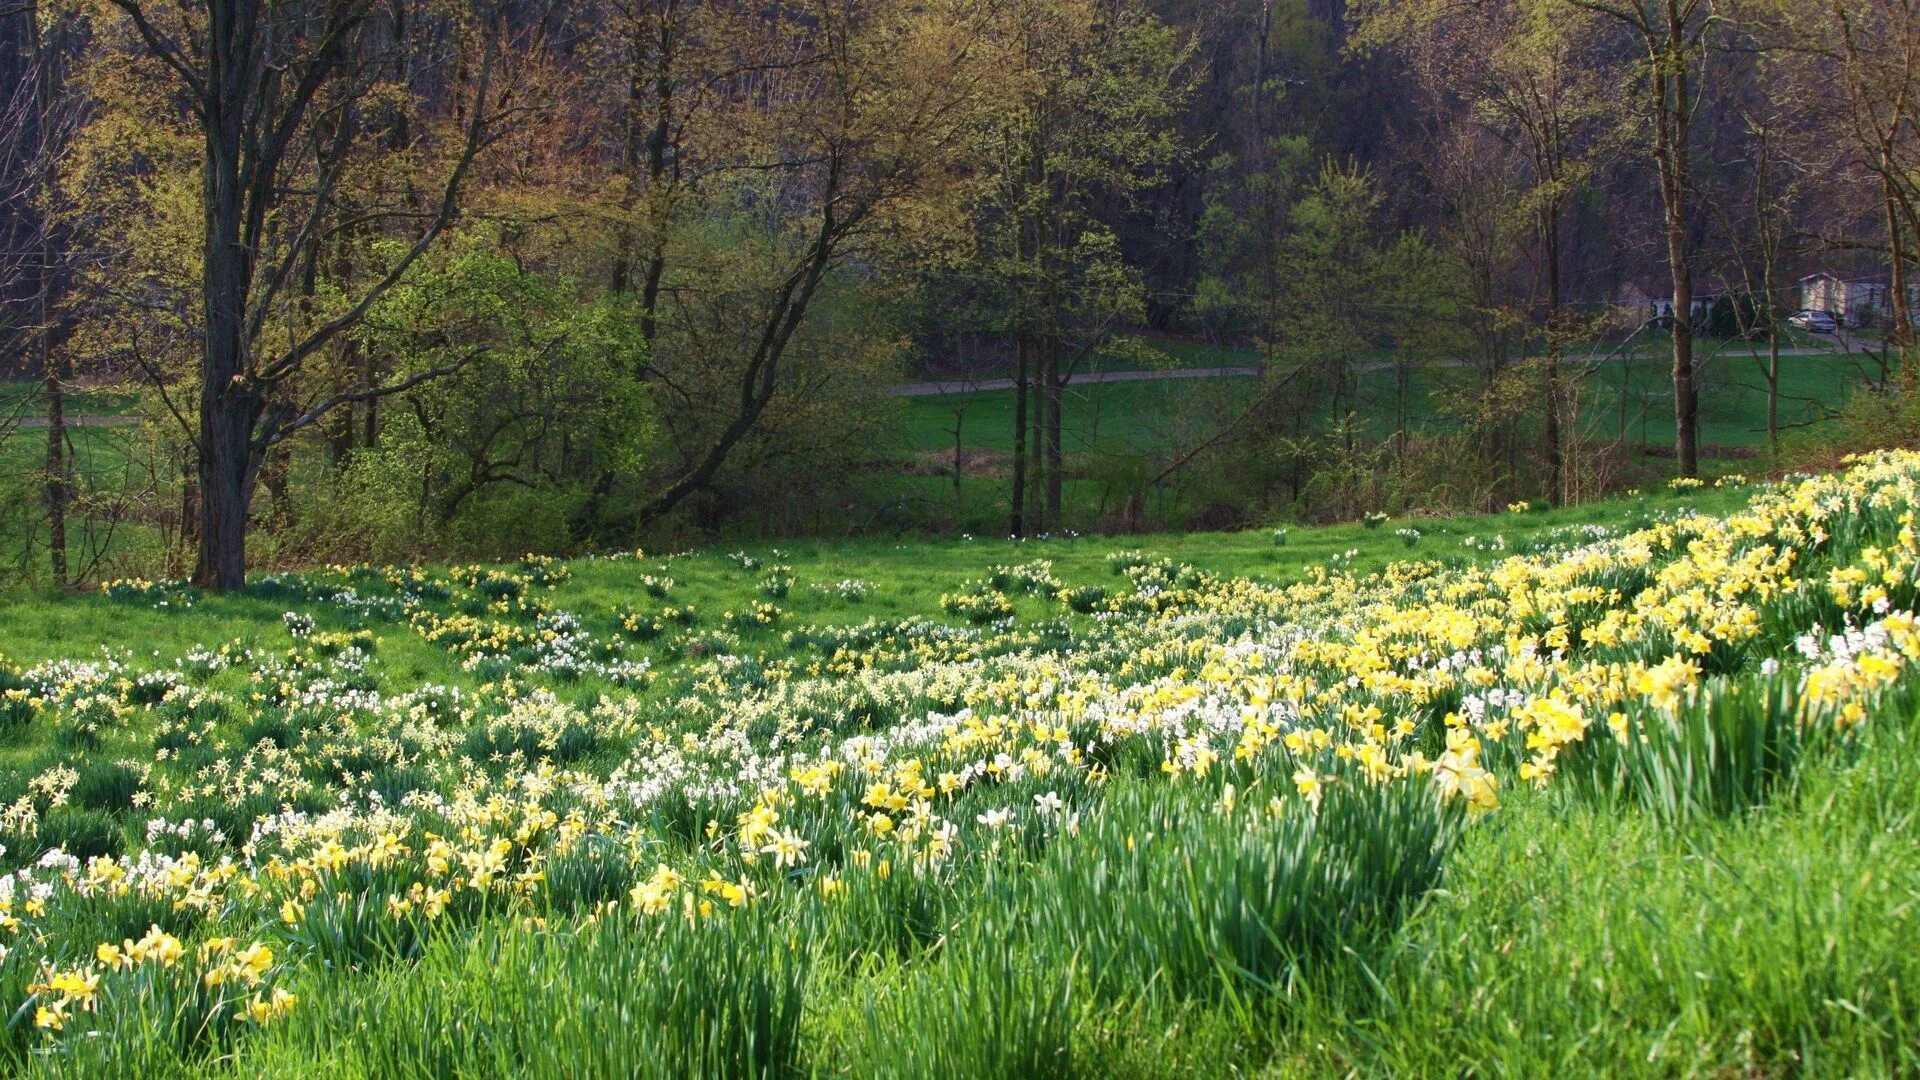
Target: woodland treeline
pixel 402 278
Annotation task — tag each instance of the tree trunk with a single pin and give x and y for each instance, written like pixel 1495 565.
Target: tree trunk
pixel 1018 527
pixel 57 492
pixel 646 159
pixel 1672 119
pixel 1037 441
pixel 1556 456
pixel 1902 336
pixel 1769 254
pixel 1773 399
pixel 227 403
pixel 1686 406
pixel 1052 386
pixel 1021 360
pixel 223 494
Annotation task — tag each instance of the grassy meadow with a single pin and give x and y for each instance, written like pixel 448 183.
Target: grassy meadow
pixel 1113 432
pixel 1630 398
pixel 1625 789
pixel 1109 429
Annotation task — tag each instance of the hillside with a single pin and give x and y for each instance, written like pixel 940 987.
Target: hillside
pixel 1628 788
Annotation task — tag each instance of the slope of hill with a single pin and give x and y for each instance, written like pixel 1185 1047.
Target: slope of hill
pixel 1624 789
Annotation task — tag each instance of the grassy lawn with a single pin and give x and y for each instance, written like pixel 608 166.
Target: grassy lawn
pixel 82 399
pixel 906 578
pixel 1111 427
pixel 1634 399
pixel 1630 399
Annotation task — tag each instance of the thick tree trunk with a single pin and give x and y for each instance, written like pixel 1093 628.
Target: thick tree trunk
pixel 226 471
pixel 227 408
pixel 223 495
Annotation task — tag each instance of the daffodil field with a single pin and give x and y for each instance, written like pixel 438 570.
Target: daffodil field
pixel 1629 798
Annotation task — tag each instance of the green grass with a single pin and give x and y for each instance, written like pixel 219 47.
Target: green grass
pixel 1142 415
pixel 907 578
pixel 1112 432
pixel 1633 400
pixel 1582 940
pixel 1629 399
pixel 81 400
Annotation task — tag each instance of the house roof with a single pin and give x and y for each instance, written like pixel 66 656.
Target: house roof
pixel 1867 279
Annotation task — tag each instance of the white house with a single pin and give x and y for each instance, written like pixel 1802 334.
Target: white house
pixel 1855 302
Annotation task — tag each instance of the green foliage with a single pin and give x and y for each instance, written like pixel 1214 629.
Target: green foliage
pixel 1636 944
pixel 498 457
pixel 1717 755
pixel 662 999
pixel 1174 893
pixel 1153 928
pixel 979 1011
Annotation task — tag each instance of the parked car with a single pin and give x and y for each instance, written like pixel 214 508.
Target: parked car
pixel 1814 322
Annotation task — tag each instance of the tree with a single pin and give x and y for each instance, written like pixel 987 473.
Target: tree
pixel 1354 290
pixel 278 94
pixel 1757 217
pixel 769 157
pixel 1672 37
pixel 1871 50
pixel 553 380
pixel 1085 126
pixel 1528 72
pixel 38 117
